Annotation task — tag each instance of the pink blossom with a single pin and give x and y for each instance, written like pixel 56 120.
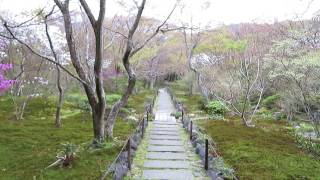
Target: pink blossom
pixel 5 84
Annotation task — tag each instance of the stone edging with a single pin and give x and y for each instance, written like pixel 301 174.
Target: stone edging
pixel 197 142
pixel 119 167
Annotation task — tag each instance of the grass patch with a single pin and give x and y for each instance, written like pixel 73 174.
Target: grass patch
pixel 138 101
pixel 265 152
pixel 193 102
pixel 30 145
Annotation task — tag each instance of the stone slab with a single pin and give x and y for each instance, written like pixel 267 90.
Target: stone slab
pixel 168 164
pixel 165 126
pixel 164 129
pixel 168 174
pixel 166 142
pixel 165 122
pixel 163 137
pixel 166 155
pixel 166 148
pixel 171 133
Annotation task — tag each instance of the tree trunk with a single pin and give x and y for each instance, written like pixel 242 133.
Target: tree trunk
pixel 202 90
pixel 60 89
pixel 118 105
pixel 98 125
pixel 95 94
pixel 152 82
pixel 60 101
pixel 109 124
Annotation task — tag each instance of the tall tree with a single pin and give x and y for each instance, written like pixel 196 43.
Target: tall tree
pixel 129 52
pixel 95 95
pixel 58 70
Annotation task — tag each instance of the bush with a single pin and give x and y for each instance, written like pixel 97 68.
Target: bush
pixel 112 98
pixel 270 101
pixel 79 101
pixel 309 145
pixel 216 108
pixel 177 114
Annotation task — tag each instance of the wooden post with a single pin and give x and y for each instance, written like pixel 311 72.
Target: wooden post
pixel 206 160
pixel 190 130
pixel 148 114
pixel 142 127
pixel 153 99
pixel 182 114
pixel 129 153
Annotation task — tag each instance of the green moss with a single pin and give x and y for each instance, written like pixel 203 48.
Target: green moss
pixel 138 101
pixel 30 145
pixel 192 102
pixel 265 152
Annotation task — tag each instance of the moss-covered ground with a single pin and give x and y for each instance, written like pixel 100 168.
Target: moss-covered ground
pixel 263 152
pixel 267 151
pixel 30 145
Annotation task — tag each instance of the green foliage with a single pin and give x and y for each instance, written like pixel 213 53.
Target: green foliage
pixel 265 113
pixel 227 172
pixel 79 101
pixel 215 108
pixel 308 144
pixel 304 127
pixel 31 145
pixel 112 98
pixel 68 149
pixel 221 42
pixel 270 101
pixel 265 152
pixel 177 114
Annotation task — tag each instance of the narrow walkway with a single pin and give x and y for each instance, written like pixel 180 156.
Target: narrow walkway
pixel 166 152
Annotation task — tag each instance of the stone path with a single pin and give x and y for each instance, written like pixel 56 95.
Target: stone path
pixel 165 152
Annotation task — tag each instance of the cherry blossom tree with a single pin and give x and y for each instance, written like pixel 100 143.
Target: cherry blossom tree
pixel 5 83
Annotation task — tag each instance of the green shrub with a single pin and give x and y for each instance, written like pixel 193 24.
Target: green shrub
pixel 270 101
pixel 309 145
pixel 79 101
pixel 125 110
pixel 82 102
pixel 176 115
pixel 216 107
pixel 112 98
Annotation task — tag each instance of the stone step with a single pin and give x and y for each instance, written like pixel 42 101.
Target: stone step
pixel 178 164
pixel 164 129
pixel 165 122
pixel 166 148
pixel 168 174
pixel 166 142
pixel 166 155
pixel 163 137
pixel 171 133
pixel 165 126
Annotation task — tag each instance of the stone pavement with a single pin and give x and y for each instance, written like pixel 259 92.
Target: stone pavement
pixel 166 152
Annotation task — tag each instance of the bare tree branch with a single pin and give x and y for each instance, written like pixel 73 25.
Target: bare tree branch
pixel 88 12
pixel 42 56
pixel 155 32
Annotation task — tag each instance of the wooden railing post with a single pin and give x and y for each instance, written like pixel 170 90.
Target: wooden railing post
pixel 190 130
pixel 182 115
pixel 129 153
pixel 142 127
pixel 206 160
